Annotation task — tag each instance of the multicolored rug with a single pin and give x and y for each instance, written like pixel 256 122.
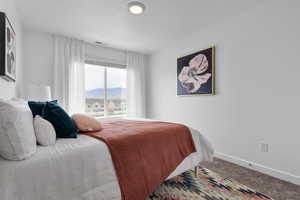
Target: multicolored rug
pixel 207 185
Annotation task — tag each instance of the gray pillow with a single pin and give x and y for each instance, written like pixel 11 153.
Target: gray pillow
pixel 44 131
pixel 17 138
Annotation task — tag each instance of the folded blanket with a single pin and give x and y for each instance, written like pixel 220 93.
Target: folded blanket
pixel 144 153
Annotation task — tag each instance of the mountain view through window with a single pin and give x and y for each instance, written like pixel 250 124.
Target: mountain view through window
pixel 105 90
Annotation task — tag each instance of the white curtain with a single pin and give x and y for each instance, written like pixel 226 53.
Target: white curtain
pixel 69 60
pixel 135 84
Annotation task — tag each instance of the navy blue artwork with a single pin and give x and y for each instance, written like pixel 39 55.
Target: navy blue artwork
pixel 195 73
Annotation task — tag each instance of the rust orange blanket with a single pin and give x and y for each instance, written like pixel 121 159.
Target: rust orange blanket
pixel 144 153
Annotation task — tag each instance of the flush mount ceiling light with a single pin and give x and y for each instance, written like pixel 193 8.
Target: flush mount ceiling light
pixel 136 7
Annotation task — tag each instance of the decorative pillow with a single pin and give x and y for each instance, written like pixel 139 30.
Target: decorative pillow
pixel 17 138
pixel 63 124
pixel 37 107
pixel 44 131
pixel 86 123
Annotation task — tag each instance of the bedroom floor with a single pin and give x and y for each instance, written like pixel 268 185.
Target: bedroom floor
pixel 275 188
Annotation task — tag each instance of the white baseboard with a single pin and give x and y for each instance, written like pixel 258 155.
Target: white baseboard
pixel 261 168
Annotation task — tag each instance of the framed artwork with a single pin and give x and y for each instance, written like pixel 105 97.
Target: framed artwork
pixel 196 73
pixel 7 49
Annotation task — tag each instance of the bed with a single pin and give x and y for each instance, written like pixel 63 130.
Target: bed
pixel 76 169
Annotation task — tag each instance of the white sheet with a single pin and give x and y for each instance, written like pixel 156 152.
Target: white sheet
pixel 75 169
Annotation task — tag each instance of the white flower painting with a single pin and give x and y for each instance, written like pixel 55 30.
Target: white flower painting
pixel 10 52
pixel 7 49
pixel 195 73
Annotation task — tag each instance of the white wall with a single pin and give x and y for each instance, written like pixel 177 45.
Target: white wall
pixel 38 58
pixel 257 80
pixel 38 51
pixel 11 89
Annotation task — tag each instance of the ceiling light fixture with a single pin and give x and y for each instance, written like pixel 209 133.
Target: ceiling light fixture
pixel 136 7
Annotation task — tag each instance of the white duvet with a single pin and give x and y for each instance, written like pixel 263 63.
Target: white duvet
pixel 75 169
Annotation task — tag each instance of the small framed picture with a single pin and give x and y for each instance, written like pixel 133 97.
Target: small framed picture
pixel 196 73
pixel 7 49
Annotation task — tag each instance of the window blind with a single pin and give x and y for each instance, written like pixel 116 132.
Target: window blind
pixel 105 56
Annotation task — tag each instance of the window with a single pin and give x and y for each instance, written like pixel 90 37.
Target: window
pixel 105 89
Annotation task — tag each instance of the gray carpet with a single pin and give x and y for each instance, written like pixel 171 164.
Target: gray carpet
pixel 275 188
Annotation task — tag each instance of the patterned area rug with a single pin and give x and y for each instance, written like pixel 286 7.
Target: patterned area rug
pixel 207 185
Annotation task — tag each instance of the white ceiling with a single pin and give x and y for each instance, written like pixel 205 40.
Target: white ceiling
pixel 108 21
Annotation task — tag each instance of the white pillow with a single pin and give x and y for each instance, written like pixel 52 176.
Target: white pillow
pixel 17 138
pixel 44 131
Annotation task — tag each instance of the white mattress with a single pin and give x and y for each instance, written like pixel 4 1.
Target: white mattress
pixel 75 169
